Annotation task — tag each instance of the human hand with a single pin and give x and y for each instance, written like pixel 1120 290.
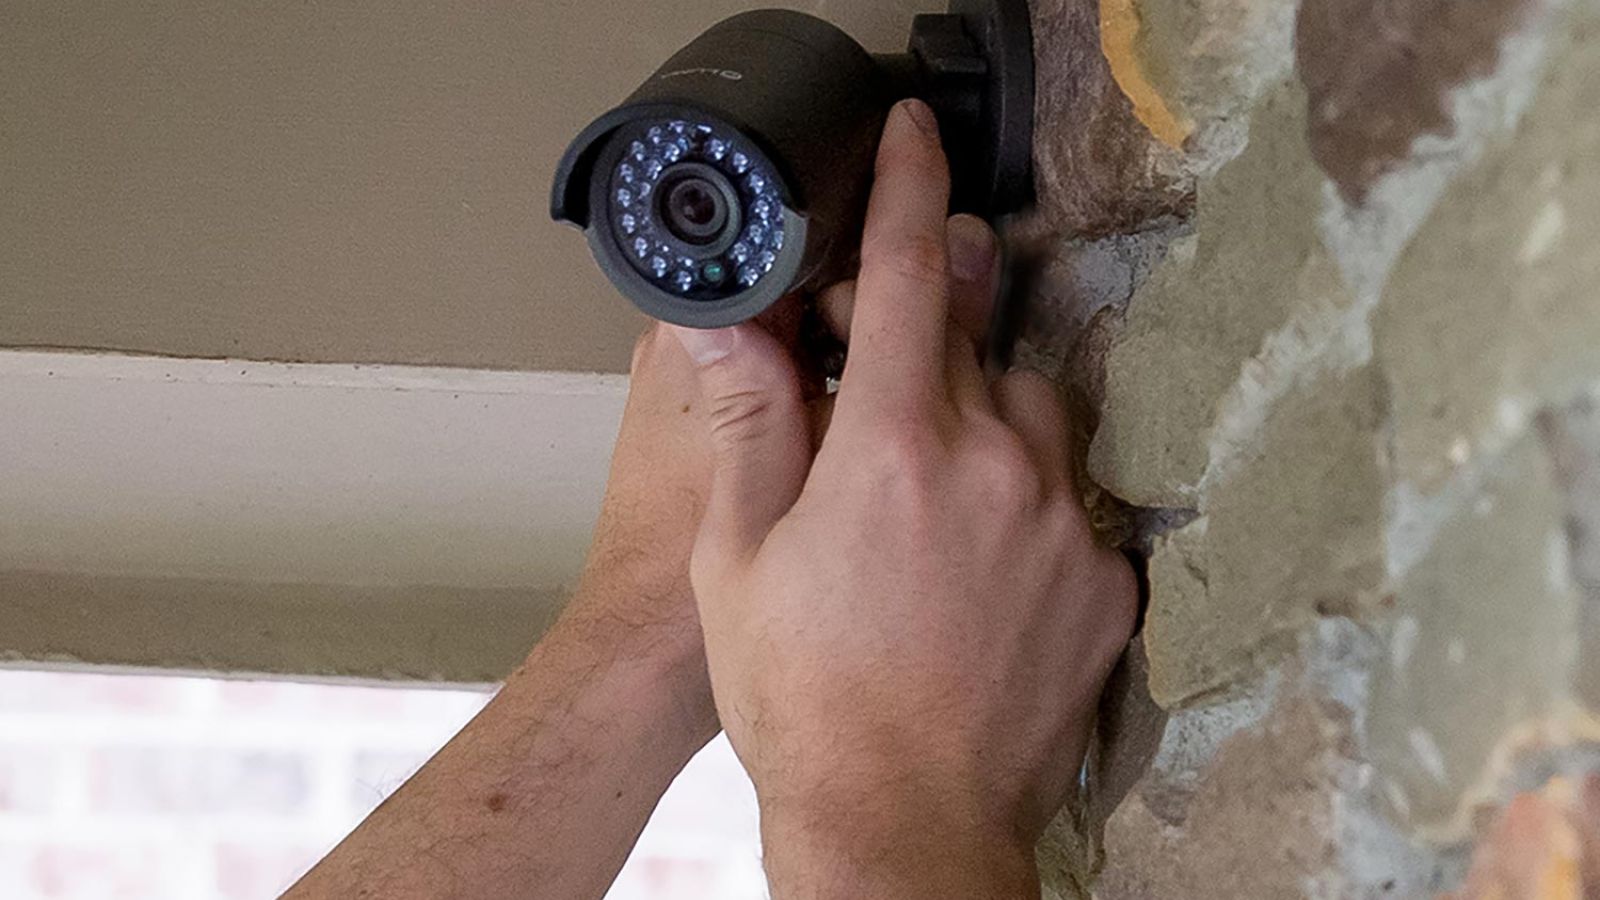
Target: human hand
pixel 906 636
pixel 637 569
pixel 634 604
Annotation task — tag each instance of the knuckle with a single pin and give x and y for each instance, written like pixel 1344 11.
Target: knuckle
pixel 901 456
pixel 740 417
pixel 909 157
pixel 740 412
pixel 1006 470
pixel 904 450
pixel 1031 380
pixel 917 258
pixel 1119 601
pixel 1120 583
pixel 1067 518
pixel 923 159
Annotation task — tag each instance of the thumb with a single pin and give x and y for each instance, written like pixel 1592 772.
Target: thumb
pixel 760 434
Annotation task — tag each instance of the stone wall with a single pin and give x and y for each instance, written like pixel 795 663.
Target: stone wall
pixel 1324 281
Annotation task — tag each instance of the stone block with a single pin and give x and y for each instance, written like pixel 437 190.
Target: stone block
pixel 1348 404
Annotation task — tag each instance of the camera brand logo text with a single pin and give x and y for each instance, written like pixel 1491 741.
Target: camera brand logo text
pixel 727 74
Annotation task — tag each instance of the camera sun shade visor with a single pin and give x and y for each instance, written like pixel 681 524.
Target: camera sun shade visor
pixel 737 174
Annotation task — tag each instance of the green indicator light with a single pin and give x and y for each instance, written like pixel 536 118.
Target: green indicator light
pixel 713 273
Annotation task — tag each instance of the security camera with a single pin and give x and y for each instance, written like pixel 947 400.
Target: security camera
pixel 739 172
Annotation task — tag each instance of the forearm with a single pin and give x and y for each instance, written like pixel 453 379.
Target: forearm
pixel 544 793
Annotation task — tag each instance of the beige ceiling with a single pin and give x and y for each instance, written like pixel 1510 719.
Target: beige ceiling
pixel 321 182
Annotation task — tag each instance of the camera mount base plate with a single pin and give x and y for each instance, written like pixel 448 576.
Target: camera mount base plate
pixel 974 65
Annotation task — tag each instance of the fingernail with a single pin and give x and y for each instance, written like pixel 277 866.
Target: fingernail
pixel 704 346
pixel 972 249
pixel 921 115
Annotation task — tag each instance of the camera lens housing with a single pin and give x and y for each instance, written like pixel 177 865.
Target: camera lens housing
pixel 692 220
pixel 739 172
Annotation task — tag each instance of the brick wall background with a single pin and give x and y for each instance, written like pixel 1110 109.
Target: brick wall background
pixel 140 787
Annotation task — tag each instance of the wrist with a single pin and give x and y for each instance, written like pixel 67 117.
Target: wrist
pixel 635 622
pixel 632 658
pixel 876 841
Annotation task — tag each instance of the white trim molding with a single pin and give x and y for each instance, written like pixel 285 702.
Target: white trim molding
pixel 299 519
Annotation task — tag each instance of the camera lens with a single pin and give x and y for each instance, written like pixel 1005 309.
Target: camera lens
pixel 694 209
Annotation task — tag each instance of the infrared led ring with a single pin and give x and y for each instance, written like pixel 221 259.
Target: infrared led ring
pixel 694 210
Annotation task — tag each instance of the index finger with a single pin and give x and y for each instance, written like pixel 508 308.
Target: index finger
pixel 902 294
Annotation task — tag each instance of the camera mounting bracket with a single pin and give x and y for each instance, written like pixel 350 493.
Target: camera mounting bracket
pixel 974 66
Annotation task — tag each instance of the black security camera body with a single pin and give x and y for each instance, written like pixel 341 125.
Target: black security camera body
pixel 739 172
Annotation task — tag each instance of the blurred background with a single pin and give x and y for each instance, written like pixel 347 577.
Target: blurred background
pixel 152 787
